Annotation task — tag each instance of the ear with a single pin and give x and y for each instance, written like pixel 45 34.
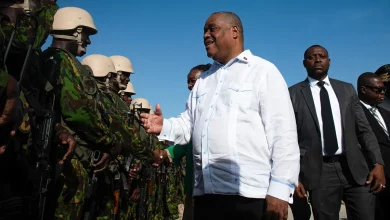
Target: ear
pixel 235 32
pixel 362 89
pixel 304 63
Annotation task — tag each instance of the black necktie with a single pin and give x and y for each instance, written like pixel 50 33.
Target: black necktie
pixel 329 131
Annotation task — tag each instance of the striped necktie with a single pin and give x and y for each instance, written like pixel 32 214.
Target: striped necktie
pixel 374 111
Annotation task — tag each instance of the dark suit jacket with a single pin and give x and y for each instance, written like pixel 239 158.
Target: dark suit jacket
pixel 383 139
pixel 360 144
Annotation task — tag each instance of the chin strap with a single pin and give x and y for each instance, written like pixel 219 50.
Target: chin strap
pixel 76 36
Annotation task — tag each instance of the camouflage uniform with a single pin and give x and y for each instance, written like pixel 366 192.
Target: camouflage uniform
pixel 172 188
pixel 137 148
pixel 137 140
pixel 16 56
pixel 76 104
pixel 146 183
pixel 44 15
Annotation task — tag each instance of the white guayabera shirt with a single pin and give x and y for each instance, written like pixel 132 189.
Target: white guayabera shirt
pixel 243 130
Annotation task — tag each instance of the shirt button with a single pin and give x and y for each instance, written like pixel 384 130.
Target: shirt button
pixel 206 120
pixel 220 81
pixel 204 152
pixel 216 93
pixel 212 106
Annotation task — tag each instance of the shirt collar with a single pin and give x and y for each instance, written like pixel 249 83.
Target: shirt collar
pixel 246 56
pixel 313 82
pixel 369 107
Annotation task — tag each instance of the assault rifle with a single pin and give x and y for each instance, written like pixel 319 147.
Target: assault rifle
pixel 90 200
pixel 42 120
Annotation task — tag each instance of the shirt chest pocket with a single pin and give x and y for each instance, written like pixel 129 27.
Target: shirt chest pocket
pixel 200 99
pixel 238 95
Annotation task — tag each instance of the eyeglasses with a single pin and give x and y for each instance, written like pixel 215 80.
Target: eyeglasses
pixel 377 90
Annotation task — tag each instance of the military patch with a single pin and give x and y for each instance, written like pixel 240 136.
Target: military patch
pixel 89 85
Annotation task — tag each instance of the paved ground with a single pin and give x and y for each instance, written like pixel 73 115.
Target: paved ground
pixel 343 214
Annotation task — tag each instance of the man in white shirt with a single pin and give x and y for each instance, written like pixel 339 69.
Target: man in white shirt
pixel 241 121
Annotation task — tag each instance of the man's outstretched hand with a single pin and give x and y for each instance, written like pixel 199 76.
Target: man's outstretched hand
pixel 153 123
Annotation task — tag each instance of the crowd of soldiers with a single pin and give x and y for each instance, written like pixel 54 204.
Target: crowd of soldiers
pixel 71 143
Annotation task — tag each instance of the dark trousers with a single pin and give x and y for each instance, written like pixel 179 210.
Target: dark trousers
pixel 382 210
pixel 336 184
pixel 215 207
pixel 300 209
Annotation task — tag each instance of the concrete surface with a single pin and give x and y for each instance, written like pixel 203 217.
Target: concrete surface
pixel 343 214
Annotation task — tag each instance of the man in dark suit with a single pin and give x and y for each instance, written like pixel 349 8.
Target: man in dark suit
pixel 340 156
pixel 371 92
pixel 384 73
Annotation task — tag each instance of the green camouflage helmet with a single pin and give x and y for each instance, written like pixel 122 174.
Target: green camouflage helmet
pixel 44 14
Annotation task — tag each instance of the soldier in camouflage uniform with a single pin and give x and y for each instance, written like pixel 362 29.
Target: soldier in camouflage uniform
pixel 124 69
pixel 126 95
pixel 145 205
pixel 167 192
pixel 10 10
pixel 76 104
pixel 36 17
pixel 118 80
pixel 174 185
pixel 128 211
pixel 101 68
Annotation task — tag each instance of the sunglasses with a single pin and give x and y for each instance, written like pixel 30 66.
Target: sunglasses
pixel 377 90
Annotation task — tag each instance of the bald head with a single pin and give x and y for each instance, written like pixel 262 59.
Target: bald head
pixel 223 36
pixel 233 20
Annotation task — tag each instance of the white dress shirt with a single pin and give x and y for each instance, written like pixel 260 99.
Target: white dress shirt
pixel 243 130
pixel 334 104
pixel 377 115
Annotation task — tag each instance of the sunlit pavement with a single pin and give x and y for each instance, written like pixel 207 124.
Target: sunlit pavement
pixel 343 214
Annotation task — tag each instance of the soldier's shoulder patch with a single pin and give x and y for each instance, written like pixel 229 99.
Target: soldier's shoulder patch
pixel 89 85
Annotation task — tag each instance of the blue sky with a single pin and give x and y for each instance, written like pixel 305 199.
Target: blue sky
pixel 164 39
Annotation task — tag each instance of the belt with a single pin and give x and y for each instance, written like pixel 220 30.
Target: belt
pixel 333 159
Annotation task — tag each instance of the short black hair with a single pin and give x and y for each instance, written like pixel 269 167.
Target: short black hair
pixel 365 79
pixel 202 67
pixel 233 19
pixel 315 45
